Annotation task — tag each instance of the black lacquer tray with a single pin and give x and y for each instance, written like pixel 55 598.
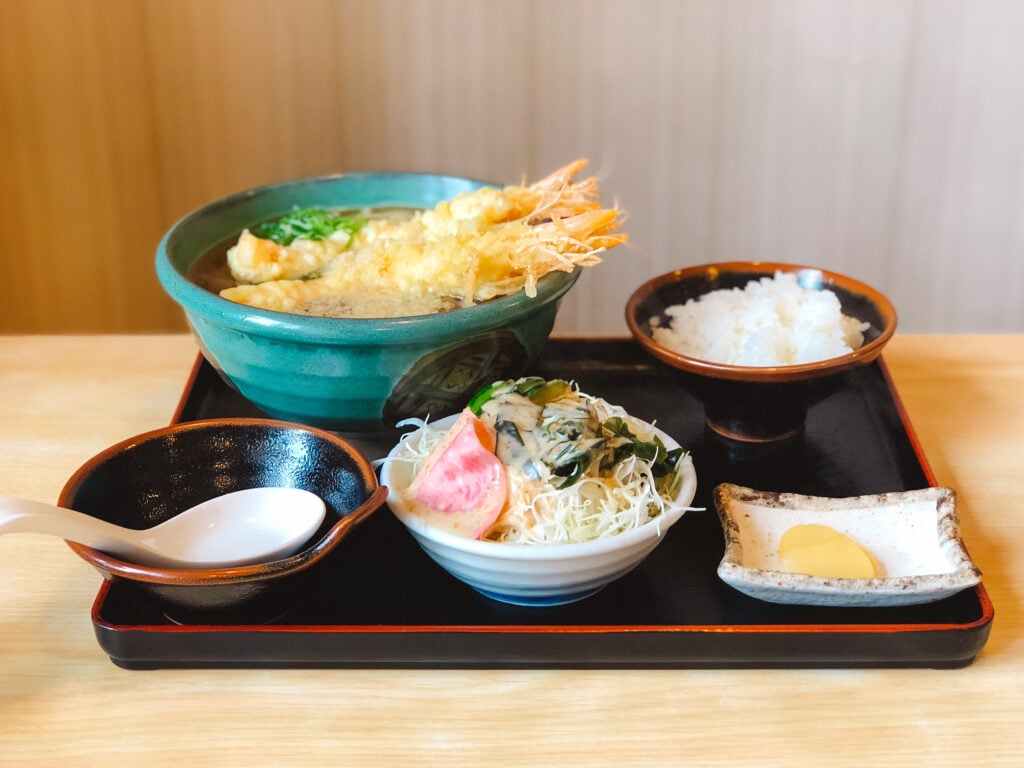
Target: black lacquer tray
pixel 380 602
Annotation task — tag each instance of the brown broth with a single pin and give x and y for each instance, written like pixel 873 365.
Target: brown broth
pixel 210 271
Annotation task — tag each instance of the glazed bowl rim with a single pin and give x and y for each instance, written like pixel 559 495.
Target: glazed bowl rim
pixel 195 300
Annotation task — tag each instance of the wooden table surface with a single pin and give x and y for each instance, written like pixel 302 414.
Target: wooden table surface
pixel 62 702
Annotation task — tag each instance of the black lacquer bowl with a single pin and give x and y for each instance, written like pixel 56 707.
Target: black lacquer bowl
pixel 142 481
pixel 758 403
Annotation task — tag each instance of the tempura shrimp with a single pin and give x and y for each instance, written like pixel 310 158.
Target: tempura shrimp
pixel 477 246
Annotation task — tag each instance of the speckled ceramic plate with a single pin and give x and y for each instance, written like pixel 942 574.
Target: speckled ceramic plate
pixel 913 537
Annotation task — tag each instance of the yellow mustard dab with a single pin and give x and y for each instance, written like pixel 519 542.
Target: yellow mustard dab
pixel 819 550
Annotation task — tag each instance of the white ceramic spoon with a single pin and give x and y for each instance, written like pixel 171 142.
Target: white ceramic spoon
pixel 249 526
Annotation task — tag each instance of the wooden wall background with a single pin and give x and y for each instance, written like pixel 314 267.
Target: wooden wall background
pixel 880 139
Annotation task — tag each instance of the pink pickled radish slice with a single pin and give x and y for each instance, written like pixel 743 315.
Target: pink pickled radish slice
pixel 462 486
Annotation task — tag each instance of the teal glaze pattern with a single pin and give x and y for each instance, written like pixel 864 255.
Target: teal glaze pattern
pixel 351 374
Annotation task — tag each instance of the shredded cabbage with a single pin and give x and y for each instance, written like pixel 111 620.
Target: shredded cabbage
pixel 604 501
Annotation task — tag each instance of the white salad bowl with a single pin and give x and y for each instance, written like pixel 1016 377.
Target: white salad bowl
pixel 527 574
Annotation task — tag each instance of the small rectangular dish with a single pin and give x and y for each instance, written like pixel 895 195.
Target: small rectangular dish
pixel 912 536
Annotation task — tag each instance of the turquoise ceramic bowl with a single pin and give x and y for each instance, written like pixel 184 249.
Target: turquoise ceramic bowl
pixel 351 375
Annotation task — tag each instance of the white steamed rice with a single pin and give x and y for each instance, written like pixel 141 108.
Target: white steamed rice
pixel 771 321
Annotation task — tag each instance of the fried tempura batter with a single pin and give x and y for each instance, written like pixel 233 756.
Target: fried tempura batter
pixel 477 246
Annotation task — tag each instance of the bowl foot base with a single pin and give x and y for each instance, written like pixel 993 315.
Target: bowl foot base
pixel 760 428
pixel 539 602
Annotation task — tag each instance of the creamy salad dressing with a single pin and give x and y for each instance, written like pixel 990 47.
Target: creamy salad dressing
pixel 579 468
pixel 534 438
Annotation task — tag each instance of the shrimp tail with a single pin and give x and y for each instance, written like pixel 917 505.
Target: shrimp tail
pixel 560 178
pixel 583 232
